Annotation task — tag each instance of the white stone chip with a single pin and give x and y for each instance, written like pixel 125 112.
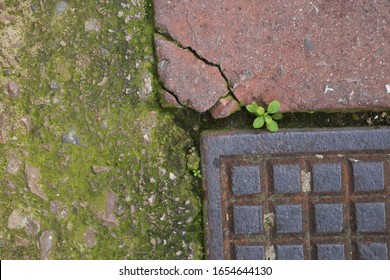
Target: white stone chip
pixel 172 176
pixel 387 88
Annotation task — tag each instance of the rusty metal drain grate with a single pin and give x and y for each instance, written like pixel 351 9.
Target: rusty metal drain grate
pixel 322 194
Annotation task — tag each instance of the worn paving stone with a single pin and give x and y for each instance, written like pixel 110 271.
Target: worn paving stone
pixel 194 83
pixel 310 55
pixel 247 217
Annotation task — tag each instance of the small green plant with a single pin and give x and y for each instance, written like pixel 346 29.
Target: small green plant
pixel 197 173
pixel 193 162
pixel 268 117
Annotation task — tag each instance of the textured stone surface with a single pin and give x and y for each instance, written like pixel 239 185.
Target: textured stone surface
pixel 32 175
pixel 14 163
pixel 371 217
pixel 329 217
pixel 246 179
pixel 328 224
pixel 46 243
pixel 13 89
pixel 249 252
pixel 59 209
pixel 310 55
pixel 287 178
pixel 373 251
pixel 330 252
pixel 363 182
pixel 288 218
pixel 326 177
pixel 168 100
pixel 92 25
pixel 18 221
pixel 289 252
pixel 225 107
pixel 247 219
pixel 61 7
pixel 194 83
pixel 89 237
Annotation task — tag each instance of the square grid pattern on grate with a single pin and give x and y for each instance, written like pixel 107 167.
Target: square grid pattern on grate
pixel 306 207
pixel 297 194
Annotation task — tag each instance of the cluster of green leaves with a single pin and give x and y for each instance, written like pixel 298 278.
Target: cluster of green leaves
pixel 268 117
pixel 197 173
pixel 193 162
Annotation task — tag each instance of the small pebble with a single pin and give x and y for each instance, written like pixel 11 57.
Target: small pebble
pixel 104 51
pixel 92 25
pixel 387 88
pixel 61 7
pixel 172 176
pixel 308 44
pixel 70 137
pixel 13 89
pixel 53 85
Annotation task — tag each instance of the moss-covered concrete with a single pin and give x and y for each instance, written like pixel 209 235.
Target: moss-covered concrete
pixel 114 172
pixel 88 119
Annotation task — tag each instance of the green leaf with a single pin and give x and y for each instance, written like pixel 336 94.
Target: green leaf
pixel 260 111
pixel 272 126
pixel 258 122
pixel 252 108
pixel 277 116
pixel 273 107
pixel 268 119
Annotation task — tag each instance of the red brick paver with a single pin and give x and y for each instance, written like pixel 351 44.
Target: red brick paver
pixel 310 55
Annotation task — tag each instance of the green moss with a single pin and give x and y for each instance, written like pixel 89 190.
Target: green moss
pixel 104 98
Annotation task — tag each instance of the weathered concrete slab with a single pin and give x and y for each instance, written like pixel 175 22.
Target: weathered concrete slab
pixel 295 194
pixel 309 55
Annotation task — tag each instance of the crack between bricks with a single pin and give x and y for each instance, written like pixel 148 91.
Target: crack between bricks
pixel 168 37
pixel 173 94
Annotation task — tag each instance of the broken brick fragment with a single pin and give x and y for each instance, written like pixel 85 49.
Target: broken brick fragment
pixel 169 101
pixel 225 107
pixel 195 83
